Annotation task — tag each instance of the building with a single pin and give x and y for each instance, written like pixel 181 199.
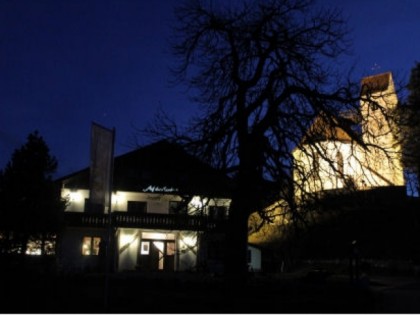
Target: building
pixel 168 212
pixel 331 162
pixel 330 159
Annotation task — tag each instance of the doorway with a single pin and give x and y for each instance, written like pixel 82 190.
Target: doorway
pixel 157 255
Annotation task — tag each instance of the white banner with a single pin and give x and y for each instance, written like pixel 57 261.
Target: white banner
pixel 101 158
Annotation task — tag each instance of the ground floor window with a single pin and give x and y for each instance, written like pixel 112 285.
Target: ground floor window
pixel 145 248
pixel 11 243
pixel 34 246
pixel 90 245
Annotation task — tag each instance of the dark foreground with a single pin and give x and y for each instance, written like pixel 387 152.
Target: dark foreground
pixel 197 293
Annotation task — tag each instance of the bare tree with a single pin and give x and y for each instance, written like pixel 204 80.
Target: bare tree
pixel 262 71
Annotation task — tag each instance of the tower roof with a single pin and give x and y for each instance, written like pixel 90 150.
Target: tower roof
pixel 376 83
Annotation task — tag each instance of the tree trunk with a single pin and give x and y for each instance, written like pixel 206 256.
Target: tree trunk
pixel 244 202
pixel 237 239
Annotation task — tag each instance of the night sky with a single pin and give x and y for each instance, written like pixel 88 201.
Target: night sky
pixel 65 64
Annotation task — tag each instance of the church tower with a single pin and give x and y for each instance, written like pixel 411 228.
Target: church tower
pixel 383 158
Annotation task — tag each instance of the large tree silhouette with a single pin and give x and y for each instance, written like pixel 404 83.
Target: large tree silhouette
pixel 262 71
pixel 31 203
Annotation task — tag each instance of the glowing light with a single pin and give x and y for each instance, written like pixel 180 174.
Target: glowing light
pixel 145 248
pixel 188 241
pixel 126 239
pixel 117 198
pixel 197 202
pixel 75 196
pixel 158 236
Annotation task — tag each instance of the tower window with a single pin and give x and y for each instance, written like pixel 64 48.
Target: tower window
pixel 340 163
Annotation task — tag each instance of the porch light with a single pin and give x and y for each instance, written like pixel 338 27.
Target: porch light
pixel 127 239
pixel 188 241
pixel 75 196
pixel 116 197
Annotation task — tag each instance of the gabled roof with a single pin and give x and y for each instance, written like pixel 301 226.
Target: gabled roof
pixel 330 128
pixel 161 164
pixel 342 127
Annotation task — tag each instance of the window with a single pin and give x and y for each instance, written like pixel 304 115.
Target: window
pixel 316 164
pixel 177 207
pixel 374 106
pixel 137 206
pixel 90 246
pixel 34 246
pixel 170 248
pixel 91 207
pixel 217 212
pixel 145 248
pixel 340 163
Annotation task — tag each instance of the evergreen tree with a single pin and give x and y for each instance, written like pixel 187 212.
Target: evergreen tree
pixel 31 203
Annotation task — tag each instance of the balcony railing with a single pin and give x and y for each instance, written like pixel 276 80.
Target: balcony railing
pixel 149 220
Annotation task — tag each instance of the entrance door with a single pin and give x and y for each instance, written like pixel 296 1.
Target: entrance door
pixel 157 255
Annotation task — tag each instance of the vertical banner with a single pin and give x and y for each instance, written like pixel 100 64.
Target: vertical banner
pixel 101 159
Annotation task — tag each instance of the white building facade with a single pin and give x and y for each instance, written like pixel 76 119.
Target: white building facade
pixel 166 210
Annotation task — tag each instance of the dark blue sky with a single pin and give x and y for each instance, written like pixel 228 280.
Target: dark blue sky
pixel 66 63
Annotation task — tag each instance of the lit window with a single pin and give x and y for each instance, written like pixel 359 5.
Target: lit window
pixel 90 245
pixel 170 248
pixel 34 246
pixel 145 248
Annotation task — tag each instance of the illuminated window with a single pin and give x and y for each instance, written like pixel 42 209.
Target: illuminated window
pixel 90 245
pixel 145 248
pixel 170 248
pixel 34 247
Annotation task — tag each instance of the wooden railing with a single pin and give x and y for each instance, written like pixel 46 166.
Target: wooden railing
pixel 149 220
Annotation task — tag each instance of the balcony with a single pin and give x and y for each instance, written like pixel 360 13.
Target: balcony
pixel 146 221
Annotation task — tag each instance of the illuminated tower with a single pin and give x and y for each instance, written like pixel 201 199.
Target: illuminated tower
pixel 329 159
pixel 383 157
